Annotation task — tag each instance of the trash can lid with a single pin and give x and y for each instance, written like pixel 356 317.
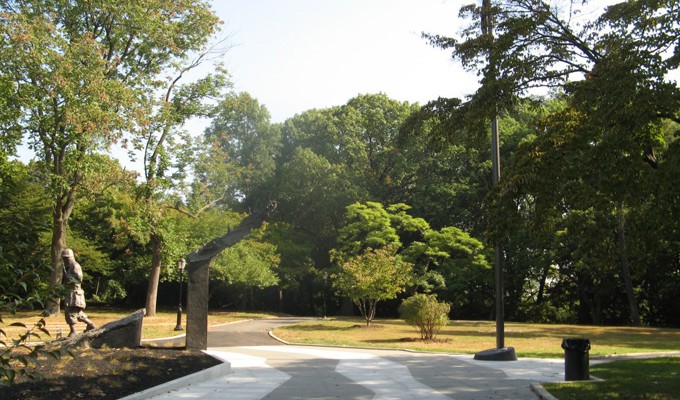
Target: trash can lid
pixel 576 344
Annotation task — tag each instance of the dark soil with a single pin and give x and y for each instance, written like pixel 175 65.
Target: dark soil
pixel 107 373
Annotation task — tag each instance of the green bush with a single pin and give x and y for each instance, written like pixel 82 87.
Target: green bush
pixel 426 313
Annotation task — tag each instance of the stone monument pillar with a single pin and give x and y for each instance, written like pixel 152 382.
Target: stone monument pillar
pixel 198 265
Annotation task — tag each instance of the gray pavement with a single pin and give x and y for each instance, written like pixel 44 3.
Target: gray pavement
pixel 260 367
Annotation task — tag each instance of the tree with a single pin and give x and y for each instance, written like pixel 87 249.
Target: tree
pixel 78 70
pixel 372 276
pixel 242 129
pixel 251 263
pixel 312 196
pixel 546 44
pixel 101 231
pixel 452 263
pixel 371 225
pixel 426 313
pixel 331 158
pixel 623 57
pixel 162 142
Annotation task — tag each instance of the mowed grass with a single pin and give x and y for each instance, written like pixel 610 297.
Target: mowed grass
pixel 159 326
pixel 655 379
pixel 468 337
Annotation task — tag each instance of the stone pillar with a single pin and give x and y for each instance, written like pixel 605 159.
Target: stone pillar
pixel 199 263
pixel 197 305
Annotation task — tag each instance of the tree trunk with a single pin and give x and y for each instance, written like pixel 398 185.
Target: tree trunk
pixel 154 275
pixel 280 299
pixel 596 308
pixel 542 282
pixel 584 313
pixel 60 215
pixel 625 267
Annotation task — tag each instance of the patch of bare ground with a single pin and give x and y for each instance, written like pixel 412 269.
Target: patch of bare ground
pixel 426 341
pixel 372 326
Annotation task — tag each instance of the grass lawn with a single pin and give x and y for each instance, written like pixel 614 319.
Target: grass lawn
pixel 159 326
pixel 468 337
pixel 656 379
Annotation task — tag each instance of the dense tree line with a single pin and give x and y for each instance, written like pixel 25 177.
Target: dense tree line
pixel 586 207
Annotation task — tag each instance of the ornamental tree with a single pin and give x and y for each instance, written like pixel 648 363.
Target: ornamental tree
pixel 374 275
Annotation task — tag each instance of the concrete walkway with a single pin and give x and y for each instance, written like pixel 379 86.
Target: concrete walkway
pixel 272 370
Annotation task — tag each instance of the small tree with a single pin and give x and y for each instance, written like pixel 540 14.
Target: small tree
pixel 374 275
pixel 425 312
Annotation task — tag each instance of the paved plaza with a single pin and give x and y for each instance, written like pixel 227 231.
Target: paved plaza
pixel 260 367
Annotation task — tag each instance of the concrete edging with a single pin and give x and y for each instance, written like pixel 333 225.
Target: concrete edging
pixel 541 392
pixel 196 377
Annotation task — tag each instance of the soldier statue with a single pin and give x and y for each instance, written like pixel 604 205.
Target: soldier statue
pixel 75 299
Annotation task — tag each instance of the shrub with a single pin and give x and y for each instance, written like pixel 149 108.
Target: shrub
pixel 425 312
pixel 18 356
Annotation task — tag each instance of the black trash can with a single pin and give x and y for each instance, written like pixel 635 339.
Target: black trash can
pixel 576 359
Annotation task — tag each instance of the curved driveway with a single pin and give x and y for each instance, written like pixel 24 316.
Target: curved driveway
pixel 263 368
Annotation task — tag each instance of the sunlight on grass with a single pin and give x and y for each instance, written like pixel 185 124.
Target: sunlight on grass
pixel 529 340
pixel 159 326
pixel 660 380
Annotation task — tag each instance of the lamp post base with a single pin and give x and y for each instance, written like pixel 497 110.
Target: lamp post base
pixel 502 354
pixel 178 327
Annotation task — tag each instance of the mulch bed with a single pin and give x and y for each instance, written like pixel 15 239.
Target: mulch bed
pixel 107 373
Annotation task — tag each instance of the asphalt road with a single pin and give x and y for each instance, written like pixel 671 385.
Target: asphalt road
pixel 248 333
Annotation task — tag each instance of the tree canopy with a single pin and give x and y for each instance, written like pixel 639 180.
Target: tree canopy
pixel 378 199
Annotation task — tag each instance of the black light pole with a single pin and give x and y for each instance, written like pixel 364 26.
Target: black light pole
pixel 180 266
pixel 500 353
pixel 498 259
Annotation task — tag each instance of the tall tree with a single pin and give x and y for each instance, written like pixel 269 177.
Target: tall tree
pixel 615 67
pixel 79 70
pixel 553 44
pixel 242 128
pixel 165 147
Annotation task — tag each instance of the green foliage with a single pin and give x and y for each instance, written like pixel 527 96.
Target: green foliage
pixel 372 276
pixel 426 313
pixel 567 207
pixel 18 288
pixel 455 265
pixel 576 202
pixel 249 263
pixel 110 292
pixel 369 226
pixel 85 72
pixel 241 128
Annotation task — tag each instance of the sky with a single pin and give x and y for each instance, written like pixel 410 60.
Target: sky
pixel 297 55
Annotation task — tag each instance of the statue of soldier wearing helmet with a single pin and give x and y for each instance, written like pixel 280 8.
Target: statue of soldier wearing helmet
pixel 75 299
